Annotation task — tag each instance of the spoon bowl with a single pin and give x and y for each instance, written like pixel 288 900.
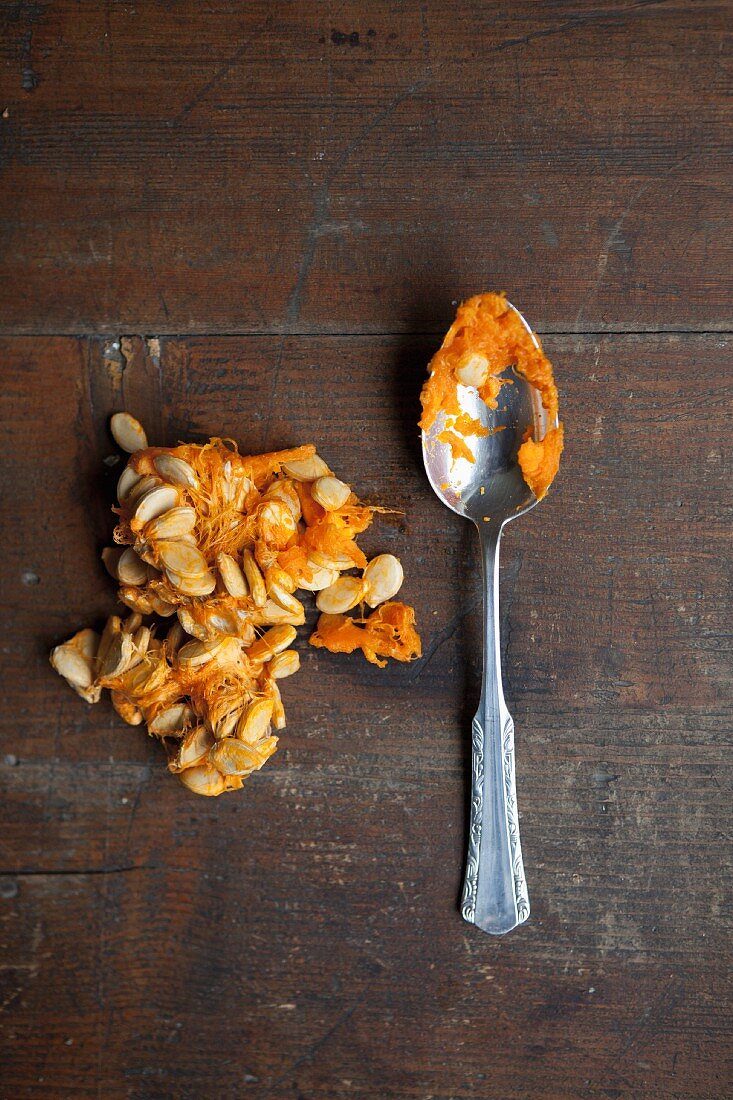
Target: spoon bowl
pixel 491 486
pixel 491 491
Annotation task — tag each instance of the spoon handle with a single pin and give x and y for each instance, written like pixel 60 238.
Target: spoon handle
pixel 495 889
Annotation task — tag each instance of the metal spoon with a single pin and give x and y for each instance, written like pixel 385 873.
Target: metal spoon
pixel 491 491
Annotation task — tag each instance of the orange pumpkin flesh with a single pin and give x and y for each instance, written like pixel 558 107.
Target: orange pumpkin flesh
pixel 486 326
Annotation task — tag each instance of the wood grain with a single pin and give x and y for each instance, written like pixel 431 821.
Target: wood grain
pixel 309 168
pixel 303 939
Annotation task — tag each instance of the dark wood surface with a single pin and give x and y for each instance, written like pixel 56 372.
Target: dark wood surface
pixel 289 197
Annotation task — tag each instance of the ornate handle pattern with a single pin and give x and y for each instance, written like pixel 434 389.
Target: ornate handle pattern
pixel 495 894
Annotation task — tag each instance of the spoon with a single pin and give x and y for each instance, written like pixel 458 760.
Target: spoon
pixel 491 491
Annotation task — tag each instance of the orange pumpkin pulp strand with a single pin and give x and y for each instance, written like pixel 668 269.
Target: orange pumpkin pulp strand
pixel 486 326
pixel 387 632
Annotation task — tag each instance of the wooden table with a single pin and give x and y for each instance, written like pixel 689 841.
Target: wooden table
pixel 277 206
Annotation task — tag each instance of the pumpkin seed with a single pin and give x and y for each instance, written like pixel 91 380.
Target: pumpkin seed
pixel 284 490
pixel 273 613
pixel 192 749
pixel 128 433
pixel 232 576
pixel 203 585
pixel 190 625
pixel 185 560
pixel 126 709
pixel 112 628
pixel 277 576
pixel 154 503
pixel 74 660
pixel 341 596
pixel 330 493
pixel 273 641
pixel 197 653
pixel 339 562
pixel 175 524
pixel 203 779
pixel 278 710
pixel 174 637
pixel 255 720
pixel 472 369
pixel 171 720
pixel 288 602
pixel 285 664
pixel 307 469
pixel 143 486
pixel 135 599
pixel 255 580
pixel 141 640
pixel 320 578
pixel 161 607
pixel 383 578
pixel 233 757
pixel 131 570
pixel 117 657
pixel 175 470
pixel 133 622
pixel 129 478
pixel 111 556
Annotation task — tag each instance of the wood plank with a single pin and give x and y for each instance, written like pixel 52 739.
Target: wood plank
pixel 238 168
pixel 302 938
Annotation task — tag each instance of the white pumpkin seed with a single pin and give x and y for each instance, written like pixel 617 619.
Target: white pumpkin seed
pixel 111 556
pixel 383 578
pixel 197 653
pixel 161 607
pixel 185 560
pixel 289 603
pixel 232 576
pixel 278 710
pixel 136 599
pixel 129 478
pixel 176 471
pixel 285 664
pixel 272 642
pixel 190 625
pixel 330 493
pixel 175 524
pixel 172 720
pixel 132 622
pixel 203 779
pixel 128 433
pixel 273 613
pixel 154 503
pixel 131 570
pixel 307 469
pixel 143 486
pixel 75 667
pixel 117 658
pixel 320 578
pixel 255 720
pixel 233 757
pixel 472 370
pixel 193 749
pixel 174 637
pixel 339 562
pixel 341 596
pixel 284 490
pixel 112 628
pixel 141 640
pixel 203 585
pixel 126 709
pixel 255 580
